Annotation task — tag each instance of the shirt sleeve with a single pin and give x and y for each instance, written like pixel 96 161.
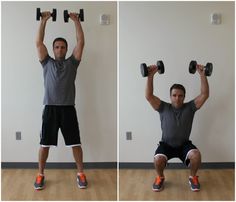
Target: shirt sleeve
pixel 74 61
pixel 161 107
pixel 193 106
pixel 46 59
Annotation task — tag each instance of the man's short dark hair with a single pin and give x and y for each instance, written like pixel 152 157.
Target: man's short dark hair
pixel 59 39
pixel 177 86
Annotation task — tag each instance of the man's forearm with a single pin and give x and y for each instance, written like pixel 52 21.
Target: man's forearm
pixel 79 33
pixel 41 33
pixel 149 88
pixel 204 86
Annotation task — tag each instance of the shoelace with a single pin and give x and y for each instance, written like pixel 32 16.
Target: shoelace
pixel 158 180
pixel 82 177
pixel 39 179
pixel 195 180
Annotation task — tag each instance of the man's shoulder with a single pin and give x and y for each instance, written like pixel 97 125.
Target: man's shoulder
pixel 72 60
pixel 46 60
pixel 191 105
pixel 165 103
pixel 164 106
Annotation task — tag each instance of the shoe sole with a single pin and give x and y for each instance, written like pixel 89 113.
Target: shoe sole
pixel 158 190
pixel 38 188
pixel 194 190
pixel 81 187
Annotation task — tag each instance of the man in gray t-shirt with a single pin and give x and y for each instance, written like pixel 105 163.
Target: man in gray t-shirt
pixel 59 98
pixel 59 80
pixel 176 124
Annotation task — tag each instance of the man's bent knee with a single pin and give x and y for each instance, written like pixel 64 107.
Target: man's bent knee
pixel 160 159
pixel 194 154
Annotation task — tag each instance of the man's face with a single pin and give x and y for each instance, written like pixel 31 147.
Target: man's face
pixel 177 98
pixel 59 50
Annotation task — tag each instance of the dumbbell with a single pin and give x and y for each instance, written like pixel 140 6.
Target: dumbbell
pixel 80 15
pixel 53 14
pixel 160 68
pixel 207 69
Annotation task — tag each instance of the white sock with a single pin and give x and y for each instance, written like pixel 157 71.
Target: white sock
pixel 80 173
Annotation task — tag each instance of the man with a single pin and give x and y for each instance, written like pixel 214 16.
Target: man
pixel 176 123
pixel 59 98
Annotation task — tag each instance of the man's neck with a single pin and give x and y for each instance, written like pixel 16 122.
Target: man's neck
pixel 60 59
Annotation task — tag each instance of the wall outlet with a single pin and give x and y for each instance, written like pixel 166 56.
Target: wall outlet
pixel 215 18
pixel 18 135
pixel 128 135
pixel 104 19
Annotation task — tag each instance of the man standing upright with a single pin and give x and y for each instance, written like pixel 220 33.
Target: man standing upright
pixel 59 98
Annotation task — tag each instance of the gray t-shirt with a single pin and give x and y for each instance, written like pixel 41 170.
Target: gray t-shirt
pixel 59 80
pixel 176 124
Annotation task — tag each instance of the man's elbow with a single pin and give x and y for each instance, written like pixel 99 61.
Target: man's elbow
pixel 37 44
pixel 148 97
pixel 207 94
pixel 205 97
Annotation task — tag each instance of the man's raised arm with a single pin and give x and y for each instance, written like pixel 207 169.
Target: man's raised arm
pixel 78 50
pixel 41 48
pixel 200 99
pixel 152 99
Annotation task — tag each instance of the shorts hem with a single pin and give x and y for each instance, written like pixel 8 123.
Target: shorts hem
pixel 161 155
pixel 42 145
pixel 73 145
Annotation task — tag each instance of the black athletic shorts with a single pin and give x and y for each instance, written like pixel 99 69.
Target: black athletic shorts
pixel 175 152
pixel 63 117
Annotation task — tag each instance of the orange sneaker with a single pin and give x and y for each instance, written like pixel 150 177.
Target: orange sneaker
pixel 81 181
pixel 158 185
pixel 39 182
pixel 194 183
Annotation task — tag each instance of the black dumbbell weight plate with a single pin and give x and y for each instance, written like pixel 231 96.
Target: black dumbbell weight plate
pixel 54 14
pixel 208 69
pixel 192 67
pixel 160 66
pixel 66 16
pixel 38 14
pixel 144 70
pixel 81 15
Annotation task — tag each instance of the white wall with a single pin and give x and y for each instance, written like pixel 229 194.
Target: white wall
pixel 22 80
pixel 176 32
